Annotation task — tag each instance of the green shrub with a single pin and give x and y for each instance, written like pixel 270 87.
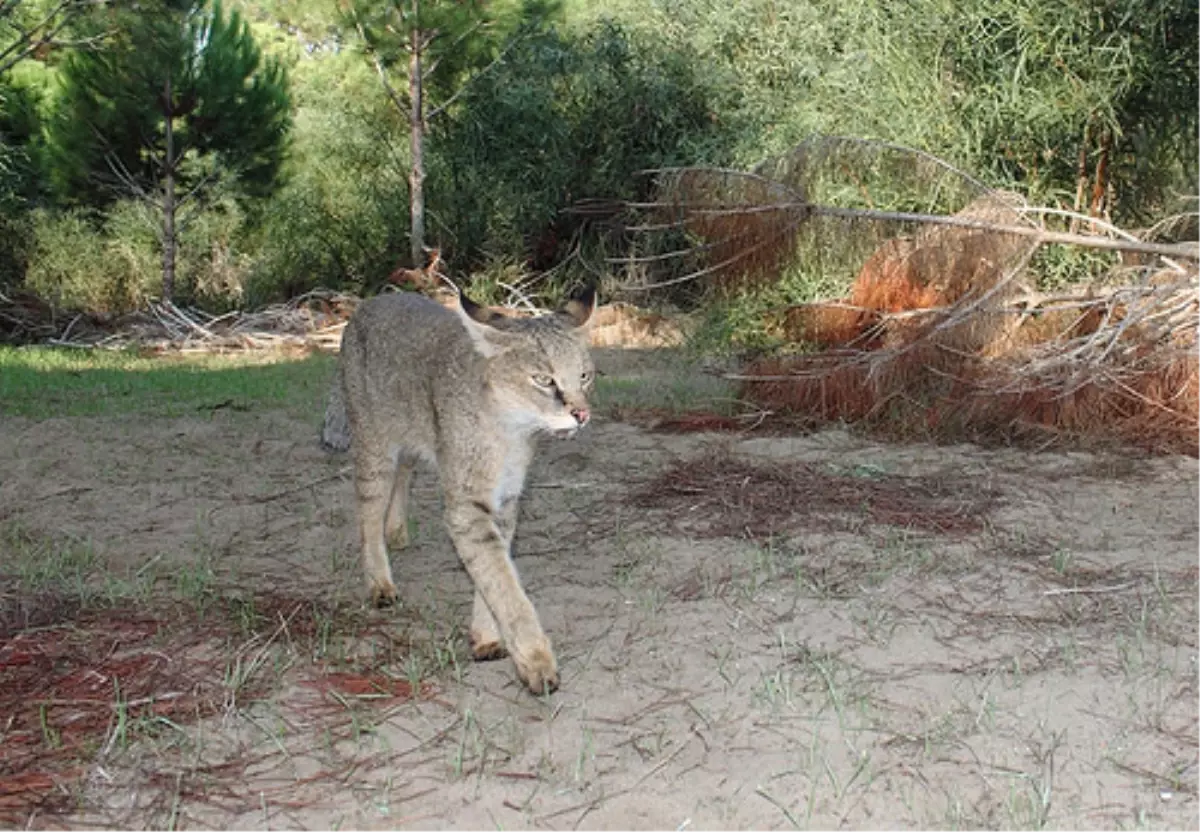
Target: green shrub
pixel 341 220
pixel 76 265
pixel 564 117
pixel 212 265
pixel 112 263
pixel 339 235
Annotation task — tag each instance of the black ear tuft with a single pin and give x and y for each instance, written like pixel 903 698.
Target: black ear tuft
pixel 474 311
pixel 580 307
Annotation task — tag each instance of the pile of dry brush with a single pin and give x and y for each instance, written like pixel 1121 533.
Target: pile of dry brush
pixel 313 321
pixel 944 333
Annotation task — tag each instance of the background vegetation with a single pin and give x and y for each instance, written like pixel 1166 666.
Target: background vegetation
pixel 293 124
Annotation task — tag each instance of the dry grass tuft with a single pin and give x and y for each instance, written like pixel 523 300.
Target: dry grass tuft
pixel 624 325
pixel 723 496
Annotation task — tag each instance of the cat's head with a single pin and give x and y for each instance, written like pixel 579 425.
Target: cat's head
pixel 539 369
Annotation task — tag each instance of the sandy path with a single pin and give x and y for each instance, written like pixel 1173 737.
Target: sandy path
pixel 1040 670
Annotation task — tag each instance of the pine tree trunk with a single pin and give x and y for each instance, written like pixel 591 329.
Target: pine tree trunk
pixel 168 204
pixel 1081 178
pixel 1100 207
pixel 416 179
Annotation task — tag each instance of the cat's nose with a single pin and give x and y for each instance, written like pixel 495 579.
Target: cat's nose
pixel 581 415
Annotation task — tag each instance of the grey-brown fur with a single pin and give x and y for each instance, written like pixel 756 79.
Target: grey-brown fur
pixel 467 390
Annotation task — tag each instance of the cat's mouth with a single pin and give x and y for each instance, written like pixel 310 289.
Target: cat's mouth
pixel 566 433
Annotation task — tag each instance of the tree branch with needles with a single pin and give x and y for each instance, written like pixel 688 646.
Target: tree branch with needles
pixel 45 31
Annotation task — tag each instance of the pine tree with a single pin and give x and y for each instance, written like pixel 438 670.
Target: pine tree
pixel 178 103
pixel 438 46
pixel 31 28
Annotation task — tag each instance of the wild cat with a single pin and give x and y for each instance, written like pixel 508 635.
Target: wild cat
pixel 469 390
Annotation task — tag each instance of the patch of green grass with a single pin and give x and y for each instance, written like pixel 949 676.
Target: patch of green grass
pixel 45 382
pixel 38 563
pixel 66 567
pixel 670 380
pixel 747 321
pixel 618 397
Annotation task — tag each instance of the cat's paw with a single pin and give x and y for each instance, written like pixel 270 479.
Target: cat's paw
pixel 383 594
pixel 486 646
pixel 537 668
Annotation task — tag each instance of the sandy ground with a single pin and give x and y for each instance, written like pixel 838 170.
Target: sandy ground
pixel 1035 667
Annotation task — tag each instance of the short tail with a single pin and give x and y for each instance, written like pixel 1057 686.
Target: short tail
pixel 335 434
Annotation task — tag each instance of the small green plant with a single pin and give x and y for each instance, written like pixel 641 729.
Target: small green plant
pixel 195 582
pixel 1056 268
pixel 586 755
pixel 43 563
pixel 50 735
pixel 775 689
pixel 119 735
pixel 1061 560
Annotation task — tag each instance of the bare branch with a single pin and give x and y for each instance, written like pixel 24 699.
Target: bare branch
pixel 441 108
pixel 741 255
pixel 44 32
pixel 1190 251
pixel 128 181
pixel 187 207
pixel 397 99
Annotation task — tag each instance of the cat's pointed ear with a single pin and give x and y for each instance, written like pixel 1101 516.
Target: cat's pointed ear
pixel 477 320
pixel 578 310
pixel 477 313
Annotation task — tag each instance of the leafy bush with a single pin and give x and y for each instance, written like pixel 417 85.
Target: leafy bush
pixel 341 220
pixel 1014 91
pixel 76 264
pixel 564 117
pixel 1020 91
pixel 20 179
pixel 212 264
pixel 111 263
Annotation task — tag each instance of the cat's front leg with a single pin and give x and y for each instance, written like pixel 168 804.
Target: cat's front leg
pixel 477 534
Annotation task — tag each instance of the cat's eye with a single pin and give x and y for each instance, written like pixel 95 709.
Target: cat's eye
pixel 542 380
pixel 586 378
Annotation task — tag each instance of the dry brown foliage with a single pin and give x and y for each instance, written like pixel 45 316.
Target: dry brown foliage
pixel 312 321
pixel 935 268
pixel 79 683
pixel 624 325
pixel 746 225
pixel 720 495
pixel 1148 399
pixel 941 334
pixel 986 358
